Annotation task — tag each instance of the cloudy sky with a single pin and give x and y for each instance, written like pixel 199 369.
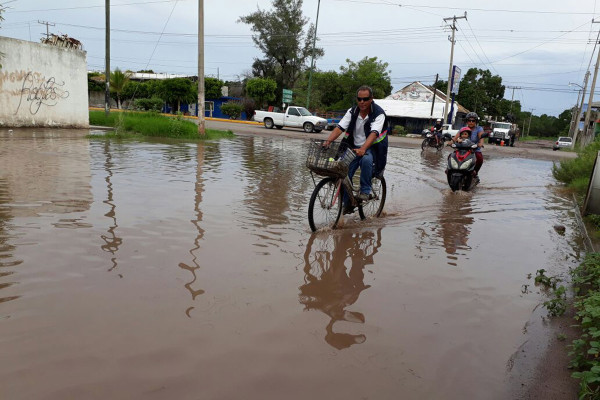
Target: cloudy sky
pixel 538 51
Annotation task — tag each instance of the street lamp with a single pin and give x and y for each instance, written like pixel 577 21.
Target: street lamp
pixel 580 89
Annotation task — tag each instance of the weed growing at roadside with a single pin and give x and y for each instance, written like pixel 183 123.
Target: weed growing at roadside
pixel 557 305
pixel 585 351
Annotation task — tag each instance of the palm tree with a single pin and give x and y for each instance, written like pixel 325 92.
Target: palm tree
pixel 118 80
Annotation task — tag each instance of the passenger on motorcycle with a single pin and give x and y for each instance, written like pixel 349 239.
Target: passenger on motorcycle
pixel 476 132
pixel 463 135
pixel 436 130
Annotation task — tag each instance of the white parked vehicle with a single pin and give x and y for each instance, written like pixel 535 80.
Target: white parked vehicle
pixel 562 141
pixel 502 132
pixel 447 129
pixel 293 117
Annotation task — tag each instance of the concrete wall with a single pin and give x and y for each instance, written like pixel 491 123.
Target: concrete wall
pixel 42 85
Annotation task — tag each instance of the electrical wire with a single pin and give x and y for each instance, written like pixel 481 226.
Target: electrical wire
pixel 88 7
pixel 467 9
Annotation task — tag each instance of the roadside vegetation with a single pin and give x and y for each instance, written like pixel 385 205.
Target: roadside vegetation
pixel 532 138
pixel 151 124
pixel 575 173
pixel 585 350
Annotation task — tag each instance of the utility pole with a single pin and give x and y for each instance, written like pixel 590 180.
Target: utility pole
pixel 312 60
pixel 434 94
pixel 575 127
pixel 201 126
pixel 454 28
pixel 47 29
pixel 107 60
pixel 574 111
pixel 530 115
pixel 513 95
pixel 586 135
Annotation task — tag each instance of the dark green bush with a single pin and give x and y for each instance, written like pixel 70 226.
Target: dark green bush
pixel 151 104
pixel 232 109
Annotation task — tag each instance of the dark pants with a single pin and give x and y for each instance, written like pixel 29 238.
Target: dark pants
pixel 478 161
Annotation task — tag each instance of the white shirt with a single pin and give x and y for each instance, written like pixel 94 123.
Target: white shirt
pixel 359 129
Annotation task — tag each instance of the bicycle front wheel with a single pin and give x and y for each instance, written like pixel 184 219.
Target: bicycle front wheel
pixel 325 206
pixel 374 207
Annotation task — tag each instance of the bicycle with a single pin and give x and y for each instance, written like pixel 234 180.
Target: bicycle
pixel 325 205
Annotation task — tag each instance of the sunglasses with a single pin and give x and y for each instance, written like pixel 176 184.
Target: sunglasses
pixel 359 99
pixel 471 120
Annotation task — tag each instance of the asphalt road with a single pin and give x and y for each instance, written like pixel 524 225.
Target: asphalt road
pixel 541 150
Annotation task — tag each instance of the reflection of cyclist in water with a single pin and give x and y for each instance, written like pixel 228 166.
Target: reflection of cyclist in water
pixel 455 218
pixel 330 287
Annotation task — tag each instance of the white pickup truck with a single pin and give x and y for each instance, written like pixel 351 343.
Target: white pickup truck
pixel 447 129
pixel 294 117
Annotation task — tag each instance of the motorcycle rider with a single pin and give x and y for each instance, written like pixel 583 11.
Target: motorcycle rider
pixel 436 130
pixel 476 132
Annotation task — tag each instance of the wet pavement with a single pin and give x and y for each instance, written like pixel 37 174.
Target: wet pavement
pixel 163 270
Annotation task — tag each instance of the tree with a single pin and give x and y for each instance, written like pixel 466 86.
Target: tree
pixel 95 82
pixel 335 91
pixel 481 92
pixel 441 85
pixel 261 89
pixel 368 71
pixel 177 90
pixel 280 35
pixel 118 80
pixel 212 88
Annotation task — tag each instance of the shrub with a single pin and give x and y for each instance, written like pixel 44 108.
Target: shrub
pixel 232 109
pixel 576 172
pixel 152 104
pixel 399 130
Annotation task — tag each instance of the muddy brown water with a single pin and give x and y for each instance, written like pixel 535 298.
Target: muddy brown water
pixel 188 271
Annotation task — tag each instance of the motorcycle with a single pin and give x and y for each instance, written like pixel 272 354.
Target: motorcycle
pixel 461 166
pixel 430 141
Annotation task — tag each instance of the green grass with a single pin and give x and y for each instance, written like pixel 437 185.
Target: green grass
pixel 576 172
pixel 149 124
pixel 530 138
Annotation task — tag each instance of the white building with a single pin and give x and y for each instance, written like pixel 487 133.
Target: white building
pixel 416 107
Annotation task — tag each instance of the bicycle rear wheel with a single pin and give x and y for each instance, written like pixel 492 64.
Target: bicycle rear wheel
pixel 325 206
pixel 374 207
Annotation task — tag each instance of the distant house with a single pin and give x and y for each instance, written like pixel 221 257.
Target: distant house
pixel 411 107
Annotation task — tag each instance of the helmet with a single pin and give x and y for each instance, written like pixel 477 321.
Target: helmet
pixel 438 120
pixel 465 129
pixel 472 115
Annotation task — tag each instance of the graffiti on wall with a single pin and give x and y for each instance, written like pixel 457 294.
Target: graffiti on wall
pixel 37 91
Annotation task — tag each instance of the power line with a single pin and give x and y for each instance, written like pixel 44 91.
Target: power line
pixel 467 9
pixel 535 47
pixel 88 7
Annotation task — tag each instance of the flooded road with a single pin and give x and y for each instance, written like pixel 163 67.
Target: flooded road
pixel 188 271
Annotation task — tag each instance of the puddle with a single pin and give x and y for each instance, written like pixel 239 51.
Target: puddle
pixel 160 270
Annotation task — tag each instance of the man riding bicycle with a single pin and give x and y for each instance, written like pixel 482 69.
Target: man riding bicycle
pixel 365 131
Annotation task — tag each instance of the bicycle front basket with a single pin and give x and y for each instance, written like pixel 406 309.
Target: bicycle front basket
pixel 332 160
